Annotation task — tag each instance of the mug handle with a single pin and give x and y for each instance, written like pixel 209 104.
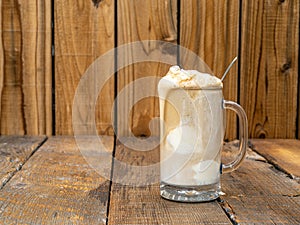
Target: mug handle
pixel 243 135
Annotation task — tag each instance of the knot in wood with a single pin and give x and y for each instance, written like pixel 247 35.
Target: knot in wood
pixel 97 2
pixel 285 67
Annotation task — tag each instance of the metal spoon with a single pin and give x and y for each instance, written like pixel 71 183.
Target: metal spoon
pixel 228 68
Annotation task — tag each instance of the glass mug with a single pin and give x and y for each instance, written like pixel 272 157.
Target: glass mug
pixel 192 132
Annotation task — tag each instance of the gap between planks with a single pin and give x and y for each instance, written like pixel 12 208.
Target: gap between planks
pixel 15 152
pixel 58 185
pixel 284 154
pixel 235 204
pixel 135 197
pixel 244 197
pixel 228 205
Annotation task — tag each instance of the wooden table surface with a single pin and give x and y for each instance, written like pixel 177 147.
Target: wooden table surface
pixel 53 181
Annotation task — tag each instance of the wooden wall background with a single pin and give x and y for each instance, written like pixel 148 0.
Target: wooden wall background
pixel 37 89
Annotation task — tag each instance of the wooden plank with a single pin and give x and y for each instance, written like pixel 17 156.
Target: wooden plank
pixel 210 29
pixel 25 71
pixel 14 152
pixel 269 67
pixel 143 205
pixel 83 32
pixel 1 58
pixel 283 153
pixel 132 204
pixel 56 186
pixel 143 21
pixel 258 193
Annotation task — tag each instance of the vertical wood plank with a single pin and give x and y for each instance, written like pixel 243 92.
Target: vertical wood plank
pixel 140 20
pixel 269 67
pixel 298 66
pixel 83 32
pixel 210 29
pixel 1 59
pixel 25 80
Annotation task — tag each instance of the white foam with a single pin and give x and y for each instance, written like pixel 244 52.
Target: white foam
pixel 190 79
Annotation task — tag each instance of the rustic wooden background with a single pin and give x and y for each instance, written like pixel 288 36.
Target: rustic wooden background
pixel 45 48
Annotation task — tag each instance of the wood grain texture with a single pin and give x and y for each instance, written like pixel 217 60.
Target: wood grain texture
pixel 25 70
pixel 283 153
pixel 258 193
pixel 269 67
pixel 143 204
pixel 210 29
pixel 56 186
pixel 14 152
pixel 83 32
pixel 140 20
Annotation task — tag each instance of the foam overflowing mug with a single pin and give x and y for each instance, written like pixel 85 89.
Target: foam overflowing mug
pixel 192 111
